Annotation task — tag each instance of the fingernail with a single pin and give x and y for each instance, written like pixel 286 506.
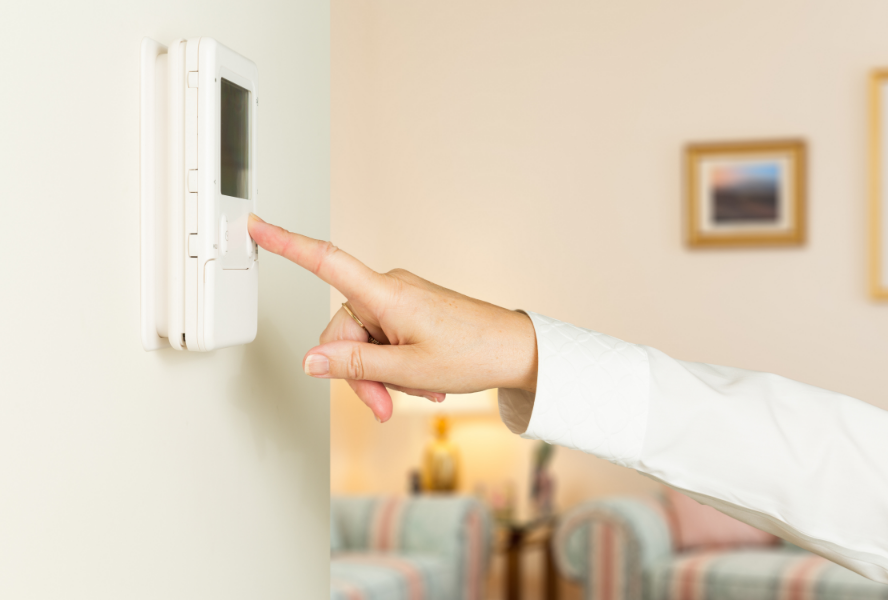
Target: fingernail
pixel 316 365
pixel 254 216
pixel 378 420
pixel 432 398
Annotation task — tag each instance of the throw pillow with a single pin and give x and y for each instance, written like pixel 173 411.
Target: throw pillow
pixel 696 526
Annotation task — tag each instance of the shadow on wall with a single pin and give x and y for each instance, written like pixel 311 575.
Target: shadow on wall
pixel 272 390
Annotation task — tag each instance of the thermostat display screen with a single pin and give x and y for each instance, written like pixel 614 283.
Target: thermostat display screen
pixel 235 140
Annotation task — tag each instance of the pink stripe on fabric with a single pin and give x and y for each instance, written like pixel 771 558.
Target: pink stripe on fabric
pixel 687 580
pixel 415 585
pixel 473 550
pixel 386 525
pixel 351 591
pixel 619 562
pixel 606 558
pixel 799 579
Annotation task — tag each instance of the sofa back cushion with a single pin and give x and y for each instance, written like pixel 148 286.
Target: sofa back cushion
pixel 696 526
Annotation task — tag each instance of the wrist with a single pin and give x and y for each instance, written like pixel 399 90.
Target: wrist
pixel 523 367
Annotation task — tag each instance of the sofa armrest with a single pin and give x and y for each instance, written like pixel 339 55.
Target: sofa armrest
pixel 609 544
pixel 351 516
pixel 456 529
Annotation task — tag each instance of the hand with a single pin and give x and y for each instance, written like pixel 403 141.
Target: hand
pixel 433 341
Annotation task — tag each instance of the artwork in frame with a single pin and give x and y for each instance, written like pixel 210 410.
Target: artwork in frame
pixel 879 185
pixel 745 193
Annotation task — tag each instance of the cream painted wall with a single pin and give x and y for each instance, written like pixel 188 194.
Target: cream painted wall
pixel 125 474
pixel 529 154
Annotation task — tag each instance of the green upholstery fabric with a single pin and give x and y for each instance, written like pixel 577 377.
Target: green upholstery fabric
pixel 760 574
pixel 446 537
pixel 385 576
pixel 621 549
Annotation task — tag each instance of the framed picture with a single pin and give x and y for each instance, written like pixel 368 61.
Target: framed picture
pixel 879 185
pixel 746 193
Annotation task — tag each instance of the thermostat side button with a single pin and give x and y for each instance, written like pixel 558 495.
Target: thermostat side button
pixel 193 243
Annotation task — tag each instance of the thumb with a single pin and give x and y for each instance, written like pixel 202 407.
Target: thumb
pixel 346 359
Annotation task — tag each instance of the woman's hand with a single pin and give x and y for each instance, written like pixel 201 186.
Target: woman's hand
pixel 433 341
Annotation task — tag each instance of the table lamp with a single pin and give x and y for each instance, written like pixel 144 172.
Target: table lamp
pixel 440 471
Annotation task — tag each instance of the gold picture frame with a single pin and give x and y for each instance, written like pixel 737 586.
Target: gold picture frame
pixel 746 193
pixel 878 195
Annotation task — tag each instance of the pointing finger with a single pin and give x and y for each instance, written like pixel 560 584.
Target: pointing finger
pixel 334 266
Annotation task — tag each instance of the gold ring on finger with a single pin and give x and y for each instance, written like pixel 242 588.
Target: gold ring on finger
pixel 352 314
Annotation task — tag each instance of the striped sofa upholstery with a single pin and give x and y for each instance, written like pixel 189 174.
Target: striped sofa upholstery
pixel 418 548
pixel 621 549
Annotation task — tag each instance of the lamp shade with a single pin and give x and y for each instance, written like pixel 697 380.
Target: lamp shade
pixel 477 403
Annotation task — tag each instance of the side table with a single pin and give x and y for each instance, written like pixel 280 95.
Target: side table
pixel 518 535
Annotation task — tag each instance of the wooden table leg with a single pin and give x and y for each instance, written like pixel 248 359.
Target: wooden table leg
pixel 513 565
pixel 551 583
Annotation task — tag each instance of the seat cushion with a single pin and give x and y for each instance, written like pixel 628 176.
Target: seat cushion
pixel 389 576
pixel 759 574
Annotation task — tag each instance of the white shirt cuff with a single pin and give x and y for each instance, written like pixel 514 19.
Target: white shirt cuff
pixel 592 393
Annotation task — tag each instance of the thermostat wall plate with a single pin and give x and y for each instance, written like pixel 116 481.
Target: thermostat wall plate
pixel 199 270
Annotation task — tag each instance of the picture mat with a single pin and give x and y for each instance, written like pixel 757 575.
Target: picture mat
pixel 786 207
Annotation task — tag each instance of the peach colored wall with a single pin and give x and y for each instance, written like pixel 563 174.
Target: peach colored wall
pixel 529 154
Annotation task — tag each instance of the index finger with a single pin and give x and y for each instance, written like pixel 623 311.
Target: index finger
pixel 338 268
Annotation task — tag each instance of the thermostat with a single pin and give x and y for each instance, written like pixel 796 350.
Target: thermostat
pixel 199 270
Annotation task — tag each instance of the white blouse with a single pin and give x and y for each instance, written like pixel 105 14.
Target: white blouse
pixel 803 463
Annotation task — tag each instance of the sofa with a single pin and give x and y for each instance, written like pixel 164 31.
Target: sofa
pixel 417 548
pixel 625 548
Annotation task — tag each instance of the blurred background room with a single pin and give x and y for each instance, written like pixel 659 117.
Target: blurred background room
pixel 536 155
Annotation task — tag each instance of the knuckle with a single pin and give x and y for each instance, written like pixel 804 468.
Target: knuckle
pixel 331 333
pixel 399 280
pixel 355 365
pixel 325 252
pixel 400 273
pixel 286 243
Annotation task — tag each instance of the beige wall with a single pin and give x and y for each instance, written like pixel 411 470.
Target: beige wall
pixel 126 474
pixel 529 154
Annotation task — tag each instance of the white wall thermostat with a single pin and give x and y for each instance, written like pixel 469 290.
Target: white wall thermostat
pixel 199 270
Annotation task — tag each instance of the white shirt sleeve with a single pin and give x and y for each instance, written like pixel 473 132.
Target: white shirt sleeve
pixel 803 463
